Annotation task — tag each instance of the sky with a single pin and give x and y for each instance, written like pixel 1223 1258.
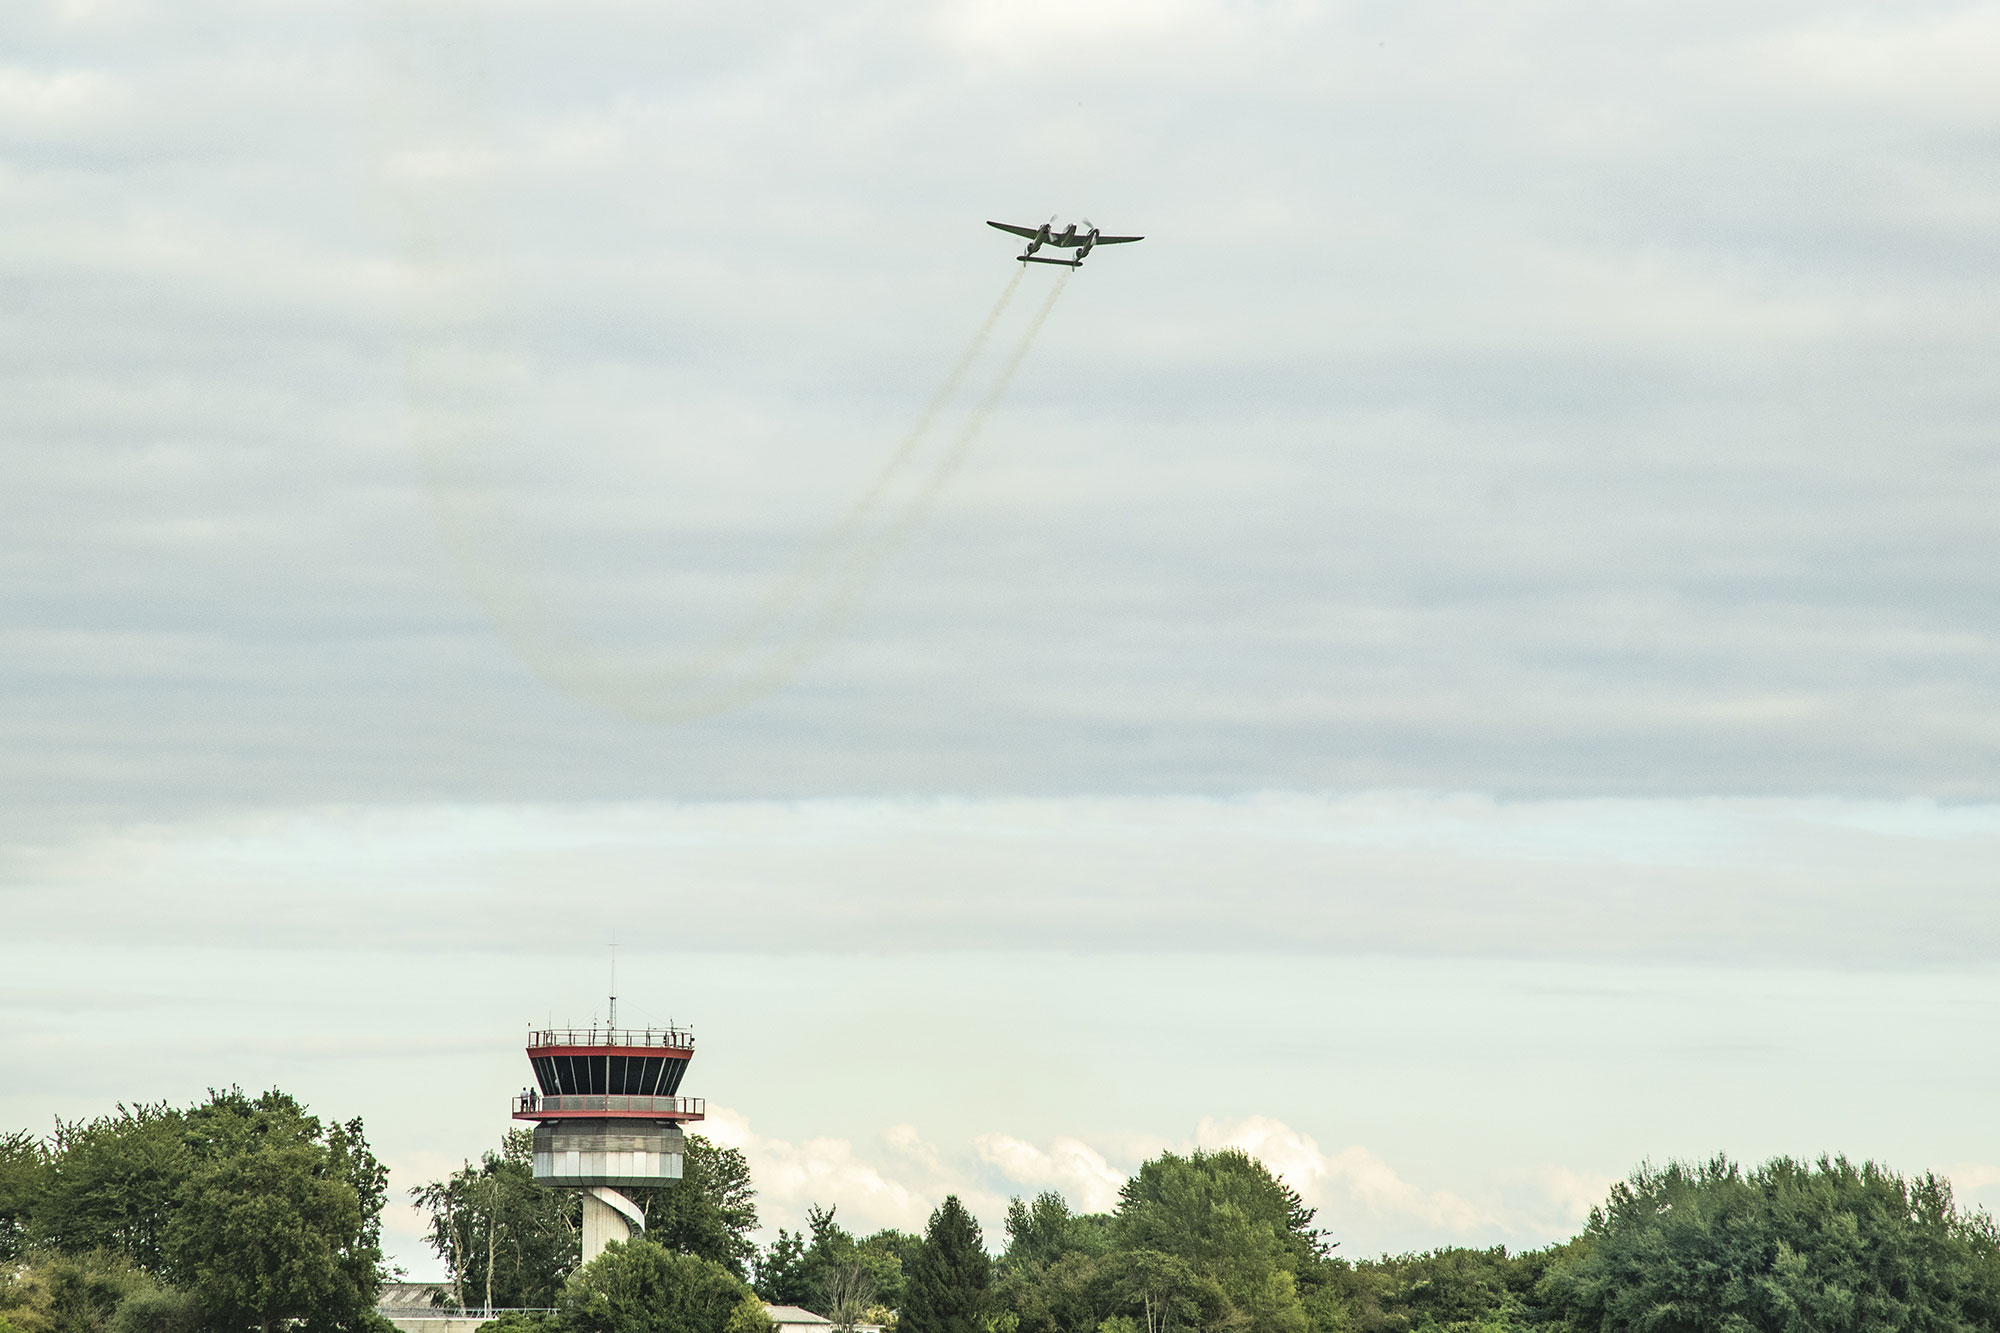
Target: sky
pixel 1464 662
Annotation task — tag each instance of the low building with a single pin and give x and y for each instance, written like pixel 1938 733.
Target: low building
pixel 796 1319
pixel 793 1319
pixel 426 1307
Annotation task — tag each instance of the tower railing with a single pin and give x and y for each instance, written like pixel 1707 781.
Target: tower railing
pixel 552 1103
pixel 657 1037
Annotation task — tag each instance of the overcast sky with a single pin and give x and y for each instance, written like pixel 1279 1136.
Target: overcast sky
pixel 1467 659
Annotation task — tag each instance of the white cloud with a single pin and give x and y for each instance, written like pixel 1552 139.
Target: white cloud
pixel 1558 1199
pixel 829 1172
pixel 1358 1195
pixel 1347 1186
pixel 1071 1167
pixel 1968 1178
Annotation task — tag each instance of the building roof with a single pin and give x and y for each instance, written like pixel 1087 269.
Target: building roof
pixel 412 1295
pixel 791 1316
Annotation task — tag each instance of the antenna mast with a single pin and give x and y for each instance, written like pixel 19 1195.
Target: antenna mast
pixel 611 1021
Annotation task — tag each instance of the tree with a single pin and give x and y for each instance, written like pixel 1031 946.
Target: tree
pixel 889 1254
pixel 1790 1246
pixel 1453 1290
pixel 711 1211
pixel 950 1276
pixel 1043 1231
pixel 1169 1294
pixel 637 1286
pixel 253 1210
pixel 59 1293
pixel 279 1219
pixel 779 1273
pixel 505 1239
pixel 157 1310
pixel 848 1291
pixel 1052 1277
pixel 111 1184
pixel 1242 1233
pixel 23 1165
pixel 834 1274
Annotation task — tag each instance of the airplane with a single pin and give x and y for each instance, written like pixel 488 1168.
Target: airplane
pixel 1066 239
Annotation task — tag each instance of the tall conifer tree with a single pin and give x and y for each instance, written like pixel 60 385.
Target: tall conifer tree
pixel 950 1277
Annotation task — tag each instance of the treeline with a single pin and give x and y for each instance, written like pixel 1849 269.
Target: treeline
pixel 236 1214
pixel 243 1213
pixel 1214 1243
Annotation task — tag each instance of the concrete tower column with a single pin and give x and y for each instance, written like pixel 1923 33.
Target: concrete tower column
pixel 608 1216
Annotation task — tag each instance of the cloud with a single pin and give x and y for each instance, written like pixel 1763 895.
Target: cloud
pixel 1345 1183
pixel 895 1189
pixel 1358 1195
pixel 1971 1178
pixel 1068 1166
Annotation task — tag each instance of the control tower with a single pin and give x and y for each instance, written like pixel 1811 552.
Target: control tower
pixel 608 1117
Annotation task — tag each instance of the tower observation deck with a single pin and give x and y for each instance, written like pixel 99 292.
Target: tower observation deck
pixel 608 1113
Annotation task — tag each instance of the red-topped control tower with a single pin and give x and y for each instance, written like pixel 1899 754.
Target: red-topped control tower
pixel 608 1115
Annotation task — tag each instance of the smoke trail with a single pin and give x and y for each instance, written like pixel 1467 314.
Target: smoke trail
pixel 823 553
pixel 873 558
pixel 462 358
pixel 787 657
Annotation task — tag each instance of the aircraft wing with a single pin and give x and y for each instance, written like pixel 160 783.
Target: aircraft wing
pixel 1118 240
pixel 1029 232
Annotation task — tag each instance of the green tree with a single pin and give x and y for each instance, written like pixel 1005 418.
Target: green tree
pixel 711 1211
pixel 111 1184
pixel 1790 1247
pixel 505 1239
pixel 23 1166
pixel 1043 1231
pixel 889 1253
pixel 950 1277
pixel 1241 1232
pixel 1053 1277
pixel 1168 1292
pixel 832 1273
pixel 157 1310
pixel 637 1286
pixel 89 1293
pixel 279 1219
pixel 1451 1290
pixel 779 1273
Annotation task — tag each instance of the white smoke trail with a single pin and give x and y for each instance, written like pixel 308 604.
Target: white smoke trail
pixel 788 656
pixel 825 552
pixel 868 561
pixel 462 359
